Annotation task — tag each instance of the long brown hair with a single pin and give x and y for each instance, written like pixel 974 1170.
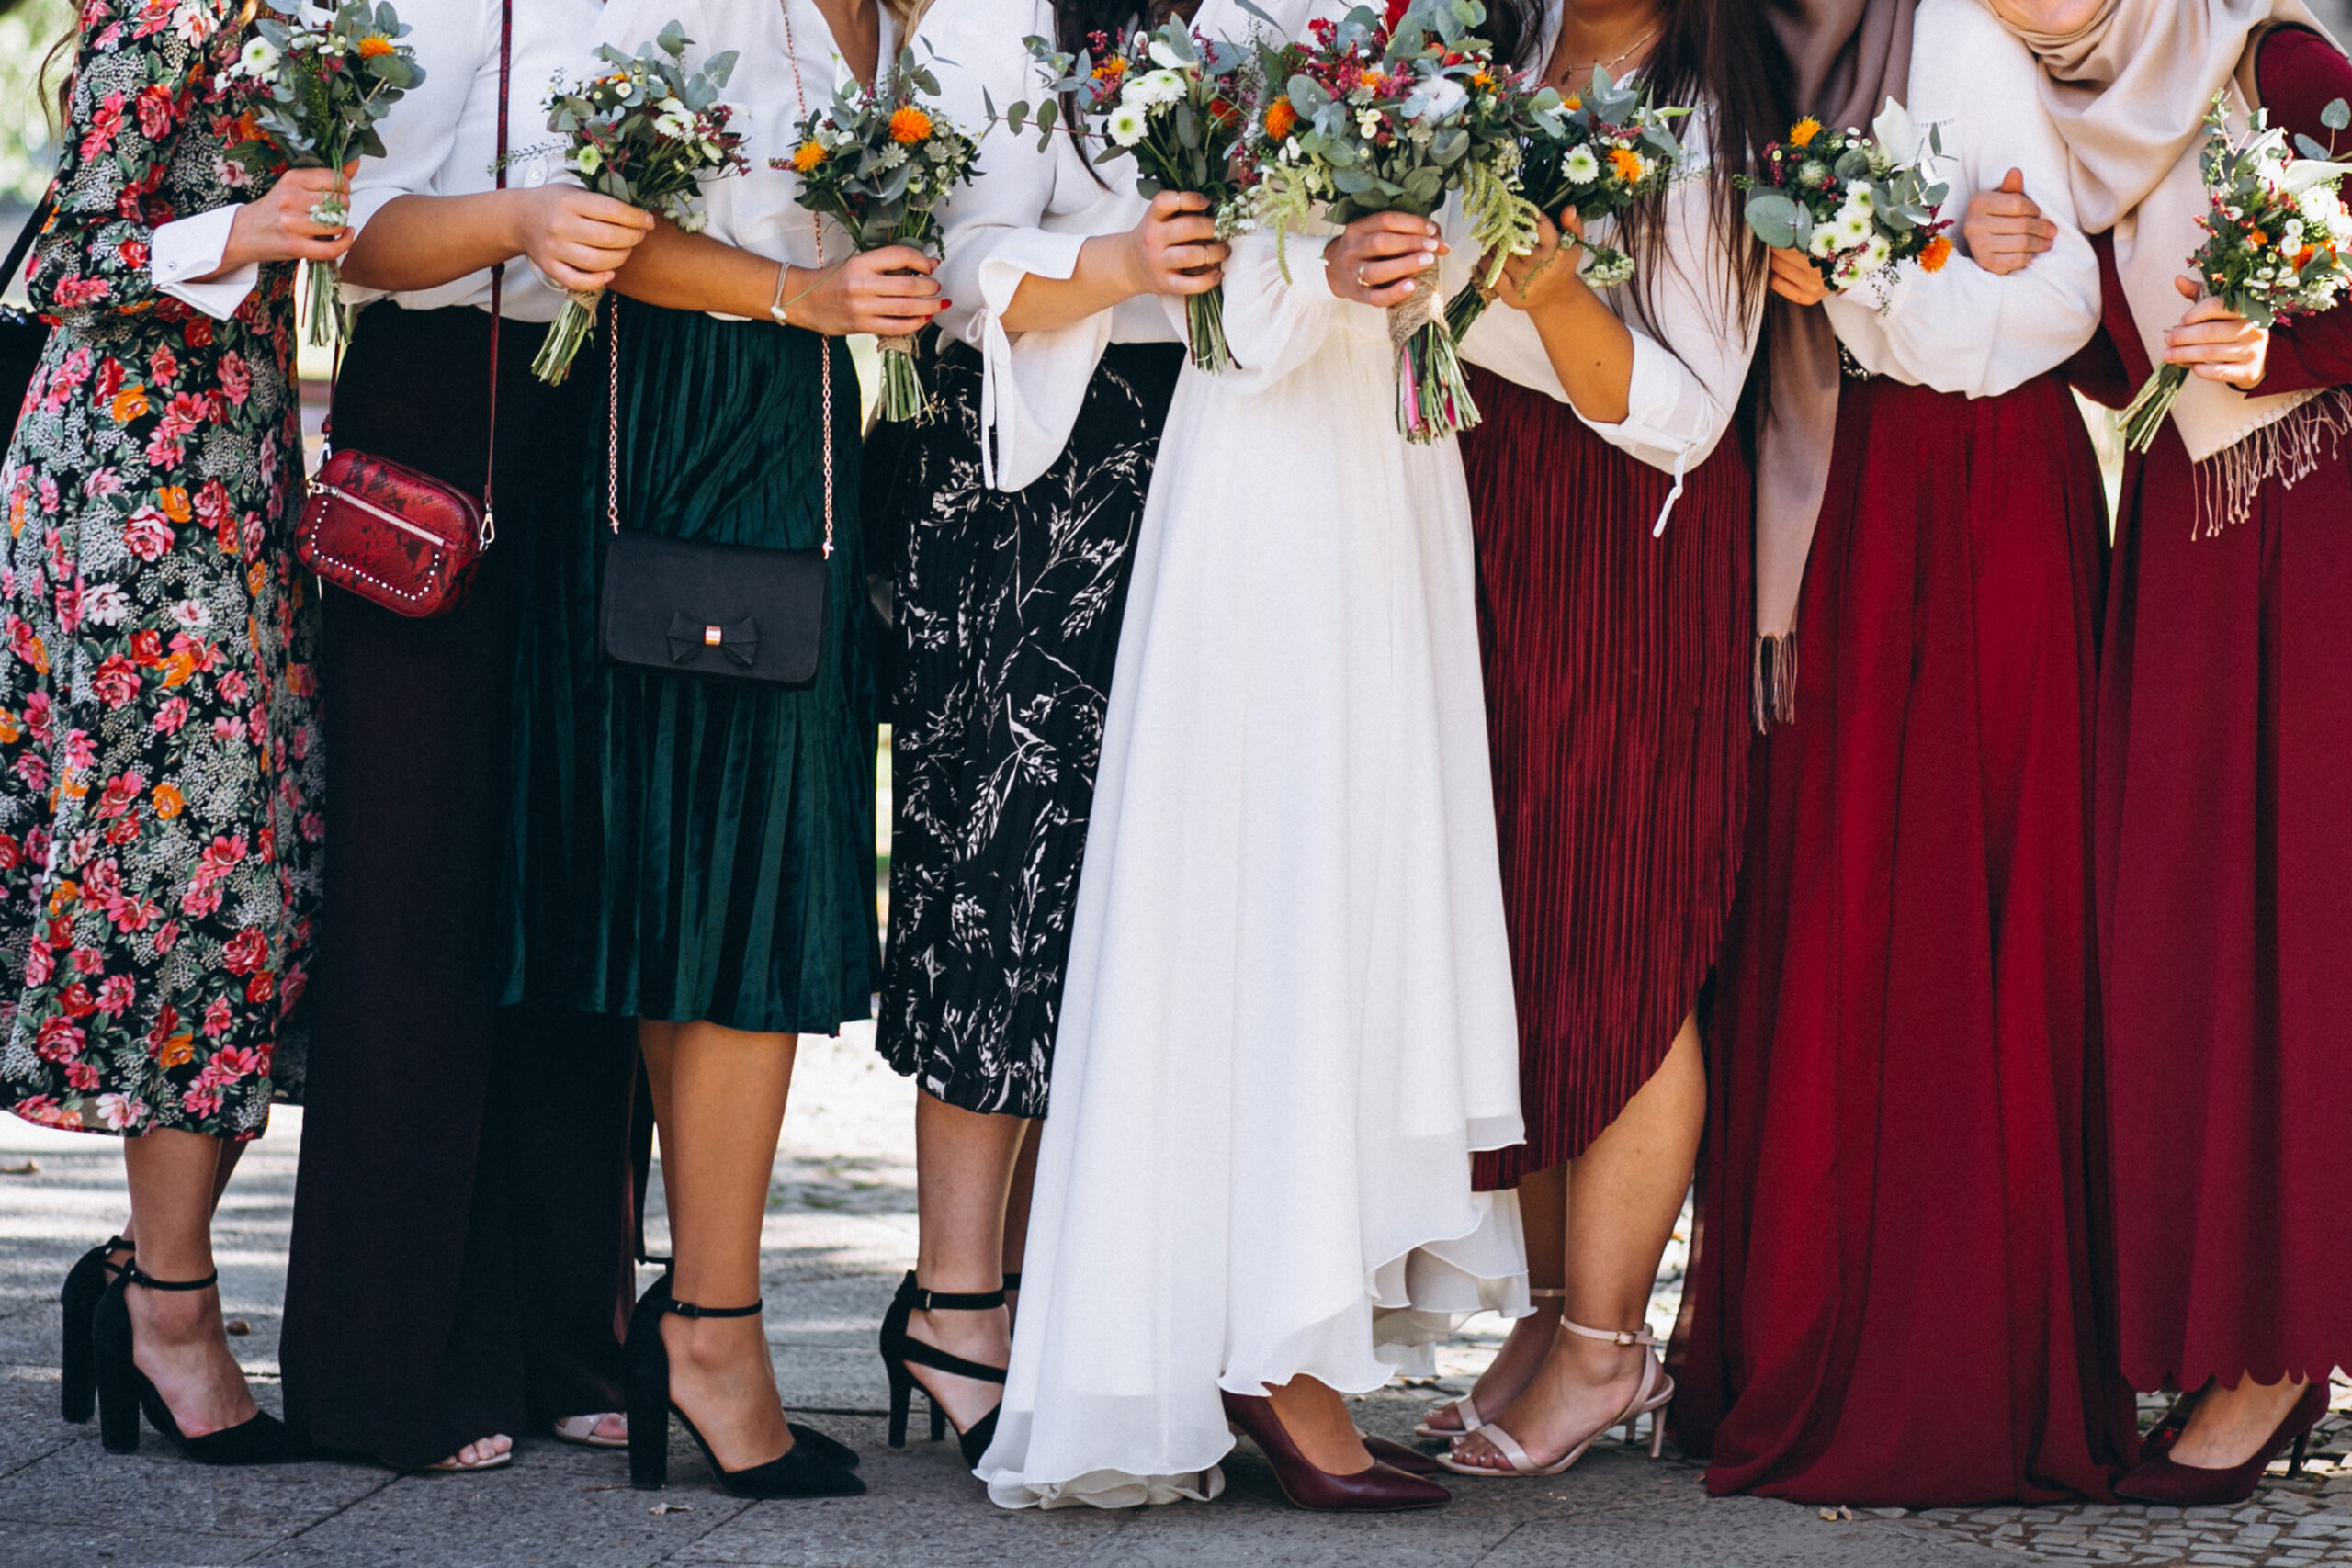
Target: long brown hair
pixel 1718 52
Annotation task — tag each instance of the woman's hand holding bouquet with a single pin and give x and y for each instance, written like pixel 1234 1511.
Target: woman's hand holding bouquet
pixel 2275 228
pixel 320 81
pixel 882 159
pixel 1177 104
pixel 1387 114
pixel 1596 153
pixel 1850 206
pixel 647 134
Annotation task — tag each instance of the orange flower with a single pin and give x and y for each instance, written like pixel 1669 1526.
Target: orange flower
pixel 178 1049
pixel 1803 132
pixel 179 669
pixel 64 893
pixel 2303 257
pixel 1480 79
pixel 1573 102
pixel 1110 67
pixel 129 403
pixel 373 45
pixel 10 730
pixel 910 125
pixel 808 155
pixel 169 801
pixel 1627 164
pixel 172 499
pixel 2257 237
pixel 1938 251
pixel 1280 119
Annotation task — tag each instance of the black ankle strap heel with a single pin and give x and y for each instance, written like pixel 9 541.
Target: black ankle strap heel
pixel 901 1352
pixel 124 1392
pixel 815 1466
pixel 77 1304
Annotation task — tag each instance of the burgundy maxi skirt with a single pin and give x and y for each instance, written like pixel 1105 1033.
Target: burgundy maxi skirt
pixel 1895 1301
pixel 1617 712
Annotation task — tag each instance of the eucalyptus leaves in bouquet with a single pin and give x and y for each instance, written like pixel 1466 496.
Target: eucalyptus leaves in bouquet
pixel 648 132
pixel 1600 151
pixel 319 79
pixel 2276 230
pixel 1177 104
pixel 1389 113
pixel 882 158
pixel 1855 205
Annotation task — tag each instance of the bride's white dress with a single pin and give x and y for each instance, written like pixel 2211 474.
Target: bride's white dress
pixel 1288 1018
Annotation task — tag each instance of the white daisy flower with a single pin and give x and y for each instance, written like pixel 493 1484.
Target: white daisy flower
pixel 259 60
pixel 1152 89
pixel 1823 241
pixel 1581 167
pixel 1126 124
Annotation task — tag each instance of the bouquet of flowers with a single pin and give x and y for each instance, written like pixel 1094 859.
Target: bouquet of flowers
pixel 881 160
pixel 1174 103
pixel 2274 233
pixel 1600 152
pixel 1856 204
pixel 648 132
pixel 1388 113
pixel 320 81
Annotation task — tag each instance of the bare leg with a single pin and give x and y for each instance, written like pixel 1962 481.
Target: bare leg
pixel 176 1335
pixel 1016 1211
pixel 1542 1214
pixel 719 1098
pixel 2230 1424
pixel 224 1167
pixel 1317 1419
pixel 1624 1194
pixel 964 1166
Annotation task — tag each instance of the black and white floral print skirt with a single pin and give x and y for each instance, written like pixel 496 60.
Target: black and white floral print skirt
pixel 1008 625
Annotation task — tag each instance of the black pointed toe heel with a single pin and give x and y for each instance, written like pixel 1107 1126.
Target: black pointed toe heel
pixel 902 1352
pixel 817 1443
pixel 804 1470
pixel 77 1307
pixel 124 1392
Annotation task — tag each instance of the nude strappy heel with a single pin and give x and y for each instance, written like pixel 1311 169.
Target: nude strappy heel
pixel 1466 1407
pixel 1651 1397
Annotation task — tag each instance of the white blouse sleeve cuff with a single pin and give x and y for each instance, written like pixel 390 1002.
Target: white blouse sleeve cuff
pixel 187 249
pixel 1032 386
pixel 1309 279
pixel 1666 423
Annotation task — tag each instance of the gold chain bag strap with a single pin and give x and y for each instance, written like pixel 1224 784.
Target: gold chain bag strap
pixel 692 607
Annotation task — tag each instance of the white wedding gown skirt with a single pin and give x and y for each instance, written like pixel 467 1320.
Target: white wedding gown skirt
pixel 1288 1018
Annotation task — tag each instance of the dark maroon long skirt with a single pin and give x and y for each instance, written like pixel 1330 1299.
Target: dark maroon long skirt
pixel 462 1218
pixel 2225 875
pixel 1617 714
pixel 1894 1301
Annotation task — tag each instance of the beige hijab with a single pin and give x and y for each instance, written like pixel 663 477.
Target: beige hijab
pixel 2129 90
pixel 1850 56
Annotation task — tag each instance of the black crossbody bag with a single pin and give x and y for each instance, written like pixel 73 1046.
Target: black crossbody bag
pixel 22 334
pixel 690 607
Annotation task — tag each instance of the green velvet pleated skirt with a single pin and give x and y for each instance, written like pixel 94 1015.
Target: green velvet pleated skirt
pixel 687 848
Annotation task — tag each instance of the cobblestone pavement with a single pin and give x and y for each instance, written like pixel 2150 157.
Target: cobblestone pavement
pixel 840 1228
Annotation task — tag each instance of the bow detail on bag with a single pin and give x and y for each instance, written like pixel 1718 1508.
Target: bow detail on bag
pixel 739 642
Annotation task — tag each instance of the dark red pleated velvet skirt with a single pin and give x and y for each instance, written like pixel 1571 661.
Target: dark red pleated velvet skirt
pixel 2225 910
pixel 1617 711
pixel 1894 1299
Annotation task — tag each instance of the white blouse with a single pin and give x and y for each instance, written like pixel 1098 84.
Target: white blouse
pixel 1963 329
pixel 441 139
pixel 758 211
pixel 1026 214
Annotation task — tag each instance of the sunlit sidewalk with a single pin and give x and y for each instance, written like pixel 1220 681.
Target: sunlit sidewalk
pixel 840 1231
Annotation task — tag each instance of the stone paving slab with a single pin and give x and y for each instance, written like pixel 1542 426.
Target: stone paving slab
pixel 839 1229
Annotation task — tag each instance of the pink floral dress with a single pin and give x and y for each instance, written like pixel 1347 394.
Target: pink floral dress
pixel 159 837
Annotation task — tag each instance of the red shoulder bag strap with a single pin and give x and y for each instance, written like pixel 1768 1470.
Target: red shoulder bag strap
pixel 497 273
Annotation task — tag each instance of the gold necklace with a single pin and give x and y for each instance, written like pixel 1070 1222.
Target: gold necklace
pixel 1610 65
